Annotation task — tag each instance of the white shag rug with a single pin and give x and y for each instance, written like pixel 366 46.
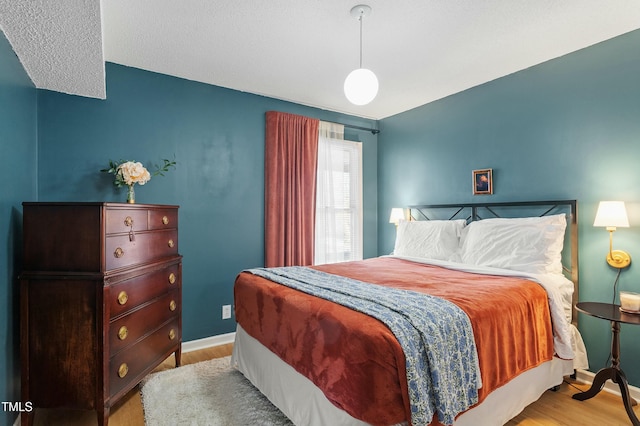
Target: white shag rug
pixel 209 393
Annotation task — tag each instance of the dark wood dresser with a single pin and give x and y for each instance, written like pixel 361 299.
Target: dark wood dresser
pixel 100 302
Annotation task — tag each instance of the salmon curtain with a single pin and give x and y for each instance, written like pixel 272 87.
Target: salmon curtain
pixel 291 156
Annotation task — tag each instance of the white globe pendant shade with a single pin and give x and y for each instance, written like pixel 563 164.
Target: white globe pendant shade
pixel 361 86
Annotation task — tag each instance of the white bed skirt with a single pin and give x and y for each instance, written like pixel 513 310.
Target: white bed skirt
pixel 300 400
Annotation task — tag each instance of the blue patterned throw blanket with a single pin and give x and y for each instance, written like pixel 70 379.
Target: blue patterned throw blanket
pixel 443 373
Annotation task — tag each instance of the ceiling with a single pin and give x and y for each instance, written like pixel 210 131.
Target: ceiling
pixel 302 50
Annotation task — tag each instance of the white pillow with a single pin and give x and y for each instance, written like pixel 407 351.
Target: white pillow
pixel 431 239
pixel 532 244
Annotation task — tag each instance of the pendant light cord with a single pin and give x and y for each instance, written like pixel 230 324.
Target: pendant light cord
pixel 360 19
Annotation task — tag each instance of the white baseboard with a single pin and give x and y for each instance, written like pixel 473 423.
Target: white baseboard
pixel 208 342
pixel 586 377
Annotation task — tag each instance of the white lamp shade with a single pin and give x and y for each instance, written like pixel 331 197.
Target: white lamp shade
pixel 611 214
pixel 361 86
pixel 397 214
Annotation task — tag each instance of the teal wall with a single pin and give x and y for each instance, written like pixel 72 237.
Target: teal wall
pixel 18 174
pixel 565 129
pixel 217 136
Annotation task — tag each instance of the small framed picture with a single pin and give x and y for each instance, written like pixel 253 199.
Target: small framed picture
pixel 482 181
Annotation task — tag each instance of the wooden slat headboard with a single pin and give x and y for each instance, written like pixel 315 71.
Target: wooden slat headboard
pixel 478 211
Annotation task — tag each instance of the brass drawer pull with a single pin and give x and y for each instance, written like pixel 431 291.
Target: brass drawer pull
pixel 165 220
pixel 172 305
pixel 170 243
pixel 118 253
pixel 172 334
pixel 128 221
pixel 122 297
pixel 123 370
pixel 172 278
pixel 123 333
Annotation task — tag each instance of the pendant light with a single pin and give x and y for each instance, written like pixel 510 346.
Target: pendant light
pixel 361 85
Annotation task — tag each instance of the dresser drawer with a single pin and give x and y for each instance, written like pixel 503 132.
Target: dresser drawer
pixel 121 251
pixel 128 329
pixel 130 365
pixel 125 220
pixel 127 295
pixel 163 219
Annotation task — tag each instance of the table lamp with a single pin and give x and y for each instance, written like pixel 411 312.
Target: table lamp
pixel 397 214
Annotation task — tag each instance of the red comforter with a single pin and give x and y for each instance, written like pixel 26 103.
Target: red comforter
pixel 357 361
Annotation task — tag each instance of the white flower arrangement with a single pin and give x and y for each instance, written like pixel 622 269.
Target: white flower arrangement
pixel 128 173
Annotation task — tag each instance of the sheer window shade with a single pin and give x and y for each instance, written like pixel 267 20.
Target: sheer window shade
pixel 338 229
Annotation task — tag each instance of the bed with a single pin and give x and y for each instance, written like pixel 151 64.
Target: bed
pixel 470 320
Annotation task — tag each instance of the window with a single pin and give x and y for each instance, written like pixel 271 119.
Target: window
pixel 338 229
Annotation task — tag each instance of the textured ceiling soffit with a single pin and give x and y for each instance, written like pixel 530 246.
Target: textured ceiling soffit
pixel 59 43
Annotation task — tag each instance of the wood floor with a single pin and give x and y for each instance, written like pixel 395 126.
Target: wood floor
pixel 553 408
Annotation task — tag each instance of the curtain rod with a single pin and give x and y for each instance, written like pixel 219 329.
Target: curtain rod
pixel 373 131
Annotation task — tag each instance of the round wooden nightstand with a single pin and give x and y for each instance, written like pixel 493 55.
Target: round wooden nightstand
pixel 610 312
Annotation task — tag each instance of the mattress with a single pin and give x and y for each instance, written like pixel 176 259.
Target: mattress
pixel 305 404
